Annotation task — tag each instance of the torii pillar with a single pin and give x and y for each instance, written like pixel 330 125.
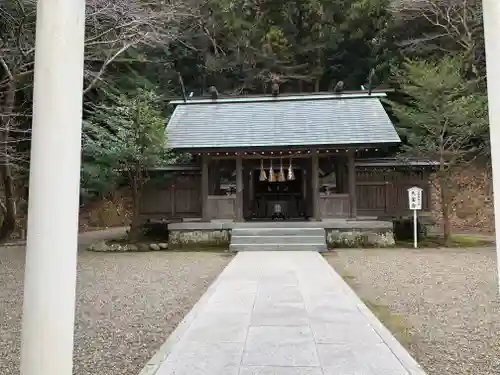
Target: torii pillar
pixel 54 190
pixel 491 18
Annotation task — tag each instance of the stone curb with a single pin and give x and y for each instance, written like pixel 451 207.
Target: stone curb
pixel 13 243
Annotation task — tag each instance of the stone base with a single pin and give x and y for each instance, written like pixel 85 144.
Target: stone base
pixel 105 247
pixel 220 238
pixel 200 238
pixel 356 238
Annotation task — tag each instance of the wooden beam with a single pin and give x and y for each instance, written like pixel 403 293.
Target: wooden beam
pixel 277 151
pixel 239 188
pixel 315 185
pixel 275 156
pixel 205 215
pixel 351 171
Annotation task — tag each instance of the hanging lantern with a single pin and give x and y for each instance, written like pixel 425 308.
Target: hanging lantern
pixel 272 177
pixel 262 176
pixel 291 175
pixel 281 177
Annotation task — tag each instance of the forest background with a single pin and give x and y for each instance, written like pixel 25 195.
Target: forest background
pixel 430 51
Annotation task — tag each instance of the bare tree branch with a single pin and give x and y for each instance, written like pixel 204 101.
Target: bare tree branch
pixel 6 67
pixel 98 76
pixel 455 24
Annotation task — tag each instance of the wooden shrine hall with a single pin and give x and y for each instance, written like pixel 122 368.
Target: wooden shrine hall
pixel 287 157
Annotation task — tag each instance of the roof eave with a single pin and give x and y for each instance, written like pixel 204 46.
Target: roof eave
pixel 278 148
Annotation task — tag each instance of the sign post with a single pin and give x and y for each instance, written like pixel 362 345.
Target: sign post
pixel 415 204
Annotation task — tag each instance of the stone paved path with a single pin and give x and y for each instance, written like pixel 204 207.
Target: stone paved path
pixel 281 313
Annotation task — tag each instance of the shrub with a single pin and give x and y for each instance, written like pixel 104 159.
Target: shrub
pixel 403 229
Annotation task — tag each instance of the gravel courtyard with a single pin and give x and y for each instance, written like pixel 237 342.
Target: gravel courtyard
pixel 127 305
pixel 443 302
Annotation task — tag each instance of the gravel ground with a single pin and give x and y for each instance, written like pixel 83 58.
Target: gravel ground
pixel 447 299
pixel 127 305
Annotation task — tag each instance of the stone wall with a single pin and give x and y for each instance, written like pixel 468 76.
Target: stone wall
pixel 472 208
pixel 356 238
pixel 199 238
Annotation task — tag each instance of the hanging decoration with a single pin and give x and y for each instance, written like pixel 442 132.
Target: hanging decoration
pixel 272 177
pixel 281 177
pixel 291 175
pixel 262 176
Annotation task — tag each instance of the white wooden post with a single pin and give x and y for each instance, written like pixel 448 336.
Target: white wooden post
pixel 491 18
pixel 415 204
pixel 51 249
pixel 415 229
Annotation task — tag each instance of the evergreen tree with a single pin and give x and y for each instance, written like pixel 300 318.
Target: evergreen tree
pixel 124 137
pixel 443 120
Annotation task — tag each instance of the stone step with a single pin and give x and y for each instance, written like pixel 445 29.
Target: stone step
pixel 270 231
pixel 279 247
pixel 279 224
pixel 279 239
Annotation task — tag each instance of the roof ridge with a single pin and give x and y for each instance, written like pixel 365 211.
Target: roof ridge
pixel 287 98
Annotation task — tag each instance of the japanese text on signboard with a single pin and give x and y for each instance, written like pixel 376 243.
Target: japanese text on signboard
pixel 415 198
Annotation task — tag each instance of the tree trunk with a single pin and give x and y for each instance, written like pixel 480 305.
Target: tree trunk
pixel 135 232
pixel 9 219
pixel 445 210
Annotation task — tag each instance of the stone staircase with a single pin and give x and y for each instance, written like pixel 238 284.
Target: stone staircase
pixel 277 236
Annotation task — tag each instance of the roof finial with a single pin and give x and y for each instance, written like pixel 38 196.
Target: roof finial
pixel 181 81
pixel 275 80
pixel 213 92
pixel 370 81
pixel 339 86
pixel 275 88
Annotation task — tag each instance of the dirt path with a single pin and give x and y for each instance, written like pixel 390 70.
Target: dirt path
pixel 85 239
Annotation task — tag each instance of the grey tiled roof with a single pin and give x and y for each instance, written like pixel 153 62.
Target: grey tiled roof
pixel 289 121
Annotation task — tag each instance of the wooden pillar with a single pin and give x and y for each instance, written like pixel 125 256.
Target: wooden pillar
pixel 205 215
pixel 216 189
pixel 211 178
pixel 304 183
pixel 239 188
pixel 172 199
pixel 315 185
pixel 351 171
pixel 305 196
pixel 338 181
pixel 251 191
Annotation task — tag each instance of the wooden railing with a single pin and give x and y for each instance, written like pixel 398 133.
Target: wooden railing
pixel 222 206
pixel 334 205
